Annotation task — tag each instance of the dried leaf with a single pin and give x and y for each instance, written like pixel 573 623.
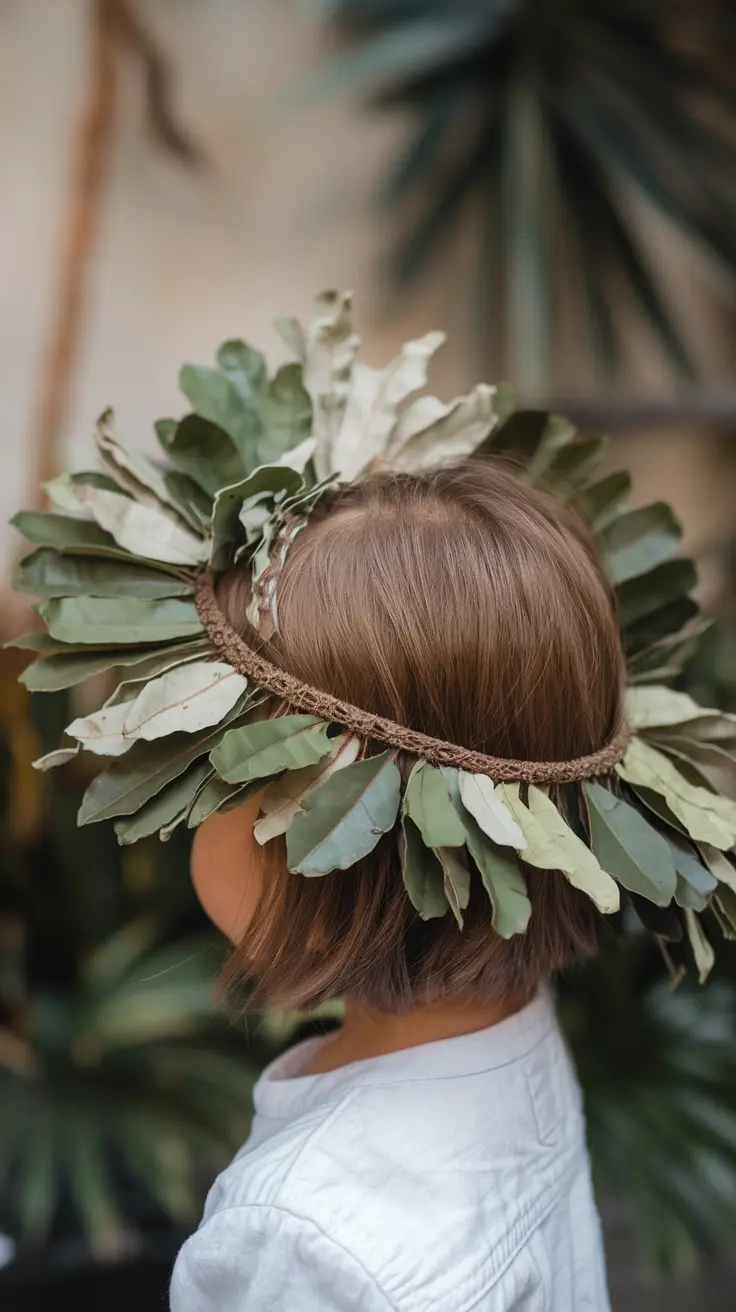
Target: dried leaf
pixel 552 845
pixel 628 847
pixel 216 795
pixel 102 731
pixel 62 491
pixel 275 481
pixel 131 471
pixel 485 803
pixel 144 531
pixel 53 759
pixel 695 883
pixel 706 816
pixel 344 819
pixel 456 879
pixel 371 412
pixel 164 810
pixel 283 798
pixel 430 433
pixel 259 750
pixel 62 670
pixel 719 865
pixel 185 699
pixel 656 705
pixel 636 542
pixel 702 950
pixel 330 348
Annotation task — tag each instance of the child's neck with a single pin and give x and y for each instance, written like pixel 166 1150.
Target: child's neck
pixel 365 1033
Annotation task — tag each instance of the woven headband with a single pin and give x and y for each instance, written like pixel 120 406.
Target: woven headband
pixel 233 648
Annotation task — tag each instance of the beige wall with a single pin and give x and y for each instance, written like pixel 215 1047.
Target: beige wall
pixel 185 259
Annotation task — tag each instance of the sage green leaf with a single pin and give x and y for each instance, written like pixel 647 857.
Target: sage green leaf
pixel 427 802
pixel 501 876
pixel 484 802
pixel 277 481
pixel 226 401
pixel 695 883
pixel 423 875
pixel 719 865
pixel 145 531
pixel 571 465
pixel 78 536
pixel 283 798
pixel 166 807
pixel 706 816
pixel 702 950
pixel 628 847
pixel 639 540
pixel 714 766
pixel 62 490
pixel 552 845
pixel 657 705
pixel 202 451
pixel 193 503
pixel 185 699
pixel 47 573
pixel 161 660
pixel 256 751
pixel 344 819
pixel 601 502
pixel 63 670
pixel 285 412
pixel 642 596
pixel 245 366
pixel 124 620
pixel 456 879
pixel 215 795
pixel 291 333
pixel 125 786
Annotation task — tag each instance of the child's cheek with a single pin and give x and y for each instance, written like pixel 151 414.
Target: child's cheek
pixel 226 868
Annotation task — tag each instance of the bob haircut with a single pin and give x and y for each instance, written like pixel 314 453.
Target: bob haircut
pixel 470 606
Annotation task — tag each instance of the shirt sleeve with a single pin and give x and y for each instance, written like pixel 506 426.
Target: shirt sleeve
pixel 259 1258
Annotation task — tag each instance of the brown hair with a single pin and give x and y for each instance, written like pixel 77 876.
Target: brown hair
pixel 471 607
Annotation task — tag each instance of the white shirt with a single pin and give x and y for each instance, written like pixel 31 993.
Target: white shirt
pixel 450 1176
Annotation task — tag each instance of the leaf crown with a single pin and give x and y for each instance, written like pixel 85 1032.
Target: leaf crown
pixel 119 567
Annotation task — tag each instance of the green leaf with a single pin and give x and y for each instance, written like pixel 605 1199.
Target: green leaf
pixel 162 809
pixel 702 950
pixel 628 847
pixel 344 819
pixel 278 480
pixel 659 624
pixel 422 873
pixel 456 879
pixel 141 774
pixel 658 706
pixel 642 596
pixel 62 670
pixel 286 413
pixel 124 620
pixel 227 403
pixel 601 502
pixel 193 503
pixel 283 798
pixel 216 795
pixel 78 536
pixel 695 883
pixel 552 845
pixel 46 573
pixel 705 816
pixel 719 865
pixel 427 803
pixel 500 873
pixel 259 750
pixel 640 540
pixel 245 366
pixel 665 660
pixel 202 451
pixel 724 906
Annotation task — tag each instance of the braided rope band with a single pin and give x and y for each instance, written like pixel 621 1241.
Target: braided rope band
pixel 237 653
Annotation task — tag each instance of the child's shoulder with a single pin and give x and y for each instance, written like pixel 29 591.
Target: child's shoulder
pixel 433 1185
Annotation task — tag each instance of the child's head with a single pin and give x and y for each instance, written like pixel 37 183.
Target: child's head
pixel 469 606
